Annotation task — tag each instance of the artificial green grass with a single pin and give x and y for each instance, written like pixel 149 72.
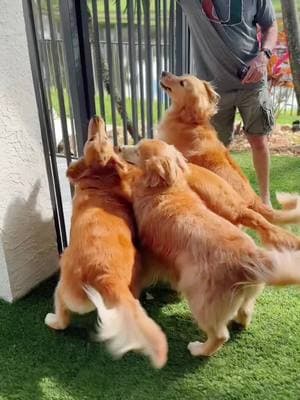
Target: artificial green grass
pixel 260 363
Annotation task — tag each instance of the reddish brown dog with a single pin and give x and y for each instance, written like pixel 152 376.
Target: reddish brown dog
pixel 99 268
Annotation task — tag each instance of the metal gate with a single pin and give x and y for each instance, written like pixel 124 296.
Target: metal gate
pixel 99 57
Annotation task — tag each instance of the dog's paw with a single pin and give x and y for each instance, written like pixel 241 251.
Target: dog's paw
pixel 243 319
pixel 52 321
pixel 196 349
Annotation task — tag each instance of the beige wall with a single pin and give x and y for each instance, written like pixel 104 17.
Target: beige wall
pixel 27 238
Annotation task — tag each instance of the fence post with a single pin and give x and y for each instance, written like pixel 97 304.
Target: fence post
pixel 74 18
pixel 178 41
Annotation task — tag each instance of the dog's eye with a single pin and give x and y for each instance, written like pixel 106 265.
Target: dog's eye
pixel 181 83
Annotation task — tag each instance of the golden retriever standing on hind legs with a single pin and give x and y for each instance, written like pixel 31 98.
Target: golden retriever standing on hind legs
pixel 223 200
pixel 186 125
pixel 217 267
pixel 98 268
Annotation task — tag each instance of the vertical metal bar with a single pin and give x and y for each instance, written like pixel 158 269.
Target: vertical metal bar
pixel 63 77
pixel 180 36
pixel 121 65
pixel 188 48
pixel 280 95
pixel 75 34
pixel 172 35
pixel 44 58
pixel 45 123
pixel 98 57
pixel 84 21
pixel 292 104
pixel 165 34
pixel 141 70
pixel 110 70
pixel 68 93
pixel 54 61
pixel 58 80
pixel 133 69
pixel 146 4
pixel 158 55
pixel 50 63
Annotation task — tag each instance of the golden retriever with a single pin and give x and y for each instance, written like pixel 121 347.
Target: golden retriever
pixel 101 263
pixel 186 125
pixel 217 267
pixel 223 200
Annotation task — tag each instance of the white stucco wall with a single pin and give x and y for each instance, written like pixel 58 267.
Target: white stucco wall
pixel 27 238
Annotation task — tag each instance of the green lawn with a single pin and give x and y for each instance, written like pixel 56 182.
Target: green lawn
pixel 261 363
pixel 100 7
pixel 283 119
pixel 277 5
pixel 107 106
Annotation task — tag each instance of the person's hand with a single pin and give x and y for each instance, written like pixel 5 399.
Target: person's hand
pixel 257 70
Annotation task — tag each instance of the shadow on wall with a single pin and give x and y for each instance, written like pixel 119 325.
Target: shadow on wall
pixel 29 244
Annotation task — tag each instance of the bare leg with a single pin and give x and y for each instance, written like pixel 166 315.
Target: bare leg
pixel 261 160
pixel 61 319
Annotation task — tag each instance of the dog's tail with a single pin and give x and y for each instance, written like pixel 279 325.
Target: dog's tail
pixel 274 267
pixel 126 327
pixel 290 213
pixel 288 201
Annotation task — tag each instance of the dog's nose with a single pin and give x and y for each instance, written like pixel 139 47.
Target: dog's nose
pixel 118 149
pixel 164 73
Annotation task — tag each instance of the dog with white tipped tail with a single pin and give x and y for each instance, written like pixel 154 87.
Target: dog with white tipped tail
pixel 100 268
pixel 217 267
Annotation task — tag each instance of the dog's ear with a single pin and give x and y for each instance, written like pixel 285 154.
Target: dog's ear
pixel 163 170
pixel 76 169
pixel 212 95
pixel 153 172
pixel 181 161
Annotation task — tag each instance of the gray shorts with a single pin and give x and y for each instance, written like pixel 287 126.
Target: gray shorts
pixel 255 107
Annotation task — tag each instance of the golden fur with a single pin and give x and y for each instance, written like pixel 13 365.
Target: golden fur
pixel 186 125
pixel 101 264
pixel 217 267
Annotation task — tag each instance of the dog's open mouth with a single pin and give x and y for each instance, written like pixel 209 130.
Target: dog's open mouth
pixel 165 87
pixel 129 161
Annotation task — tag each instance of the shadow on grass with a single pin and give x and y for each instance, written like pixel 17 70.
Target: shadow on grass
pixel 35 361
pixel 39 364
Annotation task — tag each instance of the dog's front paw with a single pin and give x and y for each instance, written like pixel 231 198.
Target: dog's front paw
pixel 196 349
pixel 53 322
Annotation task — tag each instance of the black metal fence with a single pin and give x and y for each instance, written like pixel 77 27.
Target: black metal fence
pixel 126 46
pixel 104 57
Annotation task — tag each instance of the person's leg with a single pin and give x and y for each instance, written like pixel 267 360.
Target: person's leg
pixel 261 161
pixel 256 112
pixel 223 121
